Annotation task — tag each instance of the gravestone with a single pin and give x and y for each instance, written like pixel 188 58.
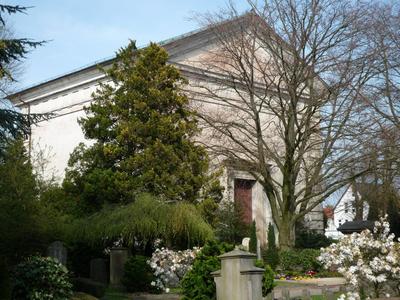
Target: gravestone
pixel 118 258
pixel 58 251
pixel 98 270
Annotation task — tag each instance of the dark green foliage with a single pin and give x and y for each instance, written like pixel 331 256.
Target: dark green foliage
pixel 12 123
pixel 311 239
pixel 198 284
pixel 139 275
pixel 327 273
pixel 89 286
pixel 41 278
pixel 5 287
pixel 268 280
pixel 253 238
pixel 230 227
pixel 143 132
pixel 12 50
pixel 80 253
pixel 21 222
pixel 271 254
pixel 208 209
pixel 300 260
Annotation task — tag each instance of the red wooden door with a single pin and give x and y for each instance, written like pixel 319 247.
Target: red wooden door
pixel 243 198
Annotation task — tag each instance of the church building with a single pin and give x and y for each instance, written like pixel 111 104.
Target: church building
pixel 65 96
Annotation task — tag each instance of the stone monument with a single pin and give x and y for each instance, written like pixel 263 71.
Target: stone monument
pixel 238 278
pixel 118 258
pixel 58 251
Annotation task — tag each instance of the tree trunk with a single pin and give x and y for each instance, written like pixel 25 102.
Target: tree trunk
pixel 286 234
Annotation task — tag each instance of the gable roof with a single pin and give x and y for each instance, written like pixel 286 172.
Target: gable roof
pixel 341 197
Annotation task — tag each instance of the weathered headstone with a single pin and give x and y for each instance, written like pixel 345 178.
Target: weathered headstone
pixel 245 243
pixel 58 251
pixel 118 258
pixel 98 270
pixel 238 278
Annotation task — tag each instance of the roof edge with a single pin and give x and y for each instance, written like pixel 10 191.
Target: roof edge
pixel 110 59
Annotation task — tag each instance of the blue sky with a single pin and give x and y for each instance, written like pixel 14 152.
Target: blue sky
pixel 82 32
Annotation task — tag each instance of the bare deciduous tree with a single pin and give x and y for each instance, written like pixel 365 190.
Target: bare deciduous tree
pixel 381 29
pixel 286 78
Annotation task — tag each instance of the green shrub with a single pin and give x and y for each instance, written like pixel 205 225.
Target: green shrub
pixel 198 282
pixel 230 227
pixel 253 238
pixel 300 260
pixel 271 254
pixel 327 273
pixel 139 275
pixel 310 239
pixel 41 278
pixel 268 280
pixel 5 289
pixel 89 286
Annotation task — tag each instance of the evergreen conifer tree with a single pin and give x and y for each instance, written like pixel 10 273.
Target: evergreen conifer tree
pixel 12 123
pixel 143 133
pixel 271 254
pixel 253 238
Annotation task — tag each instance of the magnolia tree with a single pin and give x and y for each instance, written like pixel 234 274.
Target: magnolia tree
pixel 170 266
pixel 369 261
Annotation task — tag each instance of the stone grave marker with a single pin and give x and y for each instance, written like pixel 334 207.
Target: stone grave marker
pixel 118 258
pixel 58 251
pixel 98 270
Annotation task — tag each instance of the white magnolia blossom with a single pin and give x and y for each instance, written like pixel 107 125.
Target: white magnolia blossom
pixel 369 261
pixel 170 266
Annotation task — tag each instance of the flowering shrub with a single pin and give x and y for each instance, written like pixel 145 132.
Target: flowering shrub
pixel 170 266
pixel 369 261
pixel 41 278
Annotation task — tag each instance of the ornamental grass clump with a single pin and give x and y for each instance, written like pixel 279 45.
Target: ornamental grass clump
pixel 369 261
pixel 147 219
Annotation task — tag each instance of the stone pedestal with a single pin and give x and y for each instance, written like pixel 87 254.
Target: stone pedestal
pixel 238 278
pixel 118 258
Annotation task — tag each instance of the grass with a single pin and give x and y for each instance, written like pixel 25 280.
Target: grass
pixel 176 290
pixel 112 294
pixel 82 296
